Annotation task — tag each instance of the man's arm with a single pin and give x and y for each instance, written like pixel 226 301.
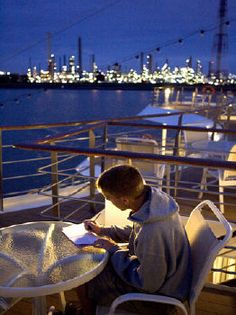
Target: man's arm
pixel 145 267
pixel 116 233
pixel 143 271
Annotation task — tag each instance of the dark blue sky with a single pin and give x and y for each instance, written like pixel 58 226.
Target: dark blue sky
pixel 112 30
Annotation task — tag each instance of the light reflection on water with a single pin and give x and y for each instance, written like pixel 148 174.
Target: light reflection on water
pixel 55 105
pixel 38 106
pixel 44 106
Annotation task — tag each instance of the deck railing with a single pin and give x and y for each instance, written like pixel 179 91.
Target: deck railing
pixel 177 161
pixel 65 146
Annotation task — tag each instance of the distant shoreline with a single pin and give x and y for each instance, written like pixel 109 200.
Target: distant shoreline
pixel 110 86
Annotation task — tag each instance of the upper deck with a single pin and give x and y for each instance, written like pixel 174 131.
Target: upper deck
pixel 70 162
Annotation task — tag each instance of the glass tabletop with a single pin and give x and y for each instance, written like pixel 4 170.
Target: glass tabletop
pixel 222 146
pixel 37 259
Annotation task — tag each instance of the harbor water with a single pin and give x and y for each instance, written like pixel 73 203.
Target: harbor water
pixel 40 106
pixel 34 106
pixel 20 107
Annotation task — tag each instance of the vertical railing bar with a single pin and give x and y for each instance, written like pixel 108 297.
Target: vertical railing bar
pixel 229 111
pixel 1 174
pixel 92 169
pixel 55 186
pixel 104 145
pixel 176 153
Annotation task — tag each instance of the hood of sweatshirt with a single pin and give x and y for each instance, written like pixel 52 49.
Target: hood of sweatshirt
pixel 158 206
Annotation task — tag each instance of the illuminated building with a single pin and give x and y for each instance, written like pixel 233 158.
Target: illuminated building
pixel 114 74
pixel 51 66
pixel 149 63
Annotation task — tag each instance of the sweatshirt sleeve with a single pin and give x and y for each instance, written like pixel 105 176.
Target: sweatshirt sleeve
pixel 116 233
pixel 146 270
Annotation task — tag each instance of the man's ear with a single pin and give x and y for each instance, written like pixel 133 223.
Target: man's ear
pixel 126 201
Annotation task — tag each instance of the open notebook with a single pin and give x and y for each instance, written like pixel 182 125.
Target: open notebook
pixel 79 235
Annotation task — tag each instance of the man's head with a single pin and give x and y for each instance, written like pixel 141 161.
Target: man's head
pixel 123 185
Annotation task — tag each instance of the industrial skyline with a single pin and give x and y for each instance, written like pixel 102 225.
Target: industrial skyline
pixel 114 32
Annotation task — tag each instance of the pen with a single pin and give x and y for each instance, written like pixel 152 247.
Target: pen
pixel 97 216
pixel 93 220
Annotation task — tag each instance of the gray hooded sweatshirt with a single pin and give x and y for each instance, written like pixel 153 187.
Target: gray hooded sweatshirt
pixel 158 256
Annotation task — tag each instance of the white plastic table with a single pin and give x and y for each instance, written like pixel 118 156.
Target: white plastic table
pixel 218 149
pixel 37 259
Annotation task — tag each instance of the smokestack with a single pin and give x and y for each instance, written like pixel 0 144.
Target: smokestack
pixel 64 60
pixel 59 64
pixel 80 68
pixel 92 62
pixel 30 64
pixel 141 62
pixel 149 63
pixel 49 38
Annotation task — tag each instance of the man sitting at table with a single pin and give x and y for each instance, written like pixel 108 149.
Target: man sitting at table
pixel 157 258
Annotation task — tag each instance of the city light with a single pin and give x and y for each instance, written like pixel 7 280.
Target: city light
pixel 180 75
pixel 188 74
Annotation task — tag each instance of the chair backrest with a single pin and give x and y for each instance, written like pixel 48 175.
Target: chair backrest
pixel 193 136
pixel 204 246
pixel 230 174
pixel 143 145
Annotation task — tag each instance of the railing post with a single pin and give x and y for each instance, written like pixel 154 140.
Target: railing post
pixel 176 153
pixel 229 111
pixel 104 144
pixel 55 186
pixel 92 170
pixel 1 174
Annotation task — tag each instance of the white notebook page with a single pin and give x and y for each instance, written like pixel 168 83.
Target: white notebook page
pixel 79 235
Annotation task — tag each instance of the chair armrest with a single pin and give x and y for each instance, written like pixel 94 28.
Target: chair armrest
pixel 148 298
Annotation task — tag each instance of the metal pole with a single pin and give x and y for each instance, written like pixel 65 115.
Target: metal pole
pixel 104 145
pixel 1 174
pixel 92 170
pixel 55 186
pixel 176 153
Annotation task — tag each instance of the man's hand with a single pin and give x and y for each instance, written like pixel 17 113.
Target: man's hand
pixel 92 226
pixel 105 243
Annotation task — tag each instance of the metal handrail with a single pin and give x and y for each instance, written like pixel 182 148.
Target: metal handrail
pixel 172 127
pixel 90 125
pixel 105 153
pixel 169 159
pixel 94 121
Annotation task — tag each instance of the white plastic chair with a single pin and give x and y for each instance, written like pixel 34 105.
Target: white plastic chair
pixel 226 178
pixel 7 303
pixel 191 137
pixel 194 136
pixel 151 171
pixel 205 247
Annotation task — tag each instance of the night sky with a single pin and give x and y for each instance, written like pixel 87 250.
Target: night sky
pixel 112 30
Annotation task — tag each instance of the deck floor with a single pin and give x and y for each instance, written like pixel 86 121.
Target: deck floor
pixel 211 302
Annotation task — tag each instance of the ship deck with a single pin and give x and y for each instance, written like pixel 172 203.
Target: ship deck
pixel 212 300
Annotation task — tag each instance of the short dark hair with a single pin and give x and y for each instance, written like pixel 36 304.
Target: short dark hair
pixel 121 180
